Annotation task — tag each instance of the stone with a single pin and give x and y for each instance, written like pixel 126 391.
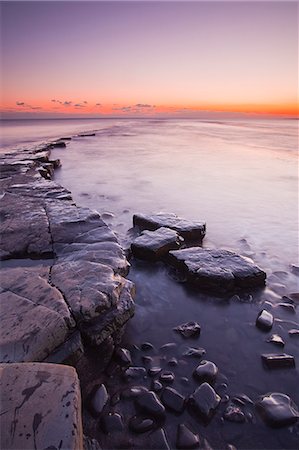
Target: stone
pixel 173 362
pixel 189 329
pixel 112 423
pixel 277 410
pixel 277 340
pixel 98 400
pixel 158 440
pixel 86 135
pixel 90 444
pixel 58 144
pixel 217 270
pixel 206 371
pixel 187 229
pixel 153 371
pixel 157 386
pixel 288 307
pixel 173 400
pixel 264 320
pixel 147 346
pixel 135 373
pixel 140 425
pixel 154 245
pixel 294 332
pixel 277 361
pixel 133 391
pixel 41 407
pixel 234 414
pixel 295 269
pixel 166 377
pixel 204 400
pixel 186 439
pixel 123 357
pixel 149 403
pixel 168 347
pixel 195 352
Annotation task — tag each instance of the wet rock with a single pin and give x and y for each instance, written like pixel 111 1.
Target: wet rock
pixel 186 439
pixel 157 386
pixel 149 403
pixel 140 425
pixel 206 371
pixel 295 269
pixel 58 144
pixel 264 320
pixel 147 346
pixel 168 347
pixel 123 357
pixel 277 361
pixel 195 352
pixel 234 414
pixel 288 307
pixel 294 332
pixel 154 245
pixel 173 400
pixel 172 362
pixel 187 229
pixel 217 270
pixel 153 371
pixel 158 440
pixel 242 399
pixel 189 329
pixel 112 423
pixel 147 359
pixel 205 400
pixel 277 410
pixel 277 340
pixel 167 377
pixel 86 135
pixel 133 391
pixel 184 380
pixel 98 399
pixel 90 444
pixel 134 373
pixel 41 406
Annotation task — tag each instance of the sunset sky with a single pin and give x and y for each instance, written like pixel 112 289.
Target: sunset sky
pixel 148 58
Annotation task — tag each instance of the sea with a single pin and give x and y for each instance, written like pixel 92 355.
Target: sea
pixel 239 176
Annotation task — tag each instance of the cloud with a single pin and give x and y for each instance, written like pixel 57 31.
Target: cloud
pixel 66 103
pixel 98 104
pixel 143 105
pixel 25 105
pixel 79 105
pixel 123 109
pixel 20 104
pixel 85 102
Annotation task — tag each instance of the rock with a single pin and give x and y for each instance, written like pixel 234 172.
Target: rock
pixel 112 423
pixel 58 144
pixel 288 307
pixel 173 400
pixel 277 361
pixel 206 371
pixel 205 400
pixel 167 377
pixel 158 440
pixel 189 329
pixel 277 340
pixel 147 346
pixel 187 229
pixel 140 425
pixel 154 245
pixel 186 439
pixel 41 407
pixel 168 347
pixel 90 444
pixel 242 399
pixel 264 320
pixel 134 373
pixel 149 403
pixel 294 296
pixel 86 135
pixel 294 332
pixel 173 362
pixel 98 400
pixel 295 269
pixel 157 386
pixel 234 414
pixel 277 410
pixel 153 371
pixel 65 139
pixel 133 391
pixel 123 357
pixel 217 270
pixel 195 352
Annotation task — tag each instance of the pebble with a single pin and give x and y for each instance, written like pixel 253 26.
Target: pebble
pixel 149 403
pixel 98 400
pixel 147 346
pixel 206 371
pixel 234 414
pixel 134 373
pixel 294 332
pixel 195 352
pixel 157 386
pixel 173 400
pixel 186 439
pixel 140 425
pixel 288 307
pixel 112 422
pixel 277 340
pixel 172 362
pixel 277 361
pixel 264 320
pixel 205 400
pixel 168 347
pixel 277 410
pixel 123 357
pixel 153 371
pixel 189 329
pixel 167 377
pixel 133 391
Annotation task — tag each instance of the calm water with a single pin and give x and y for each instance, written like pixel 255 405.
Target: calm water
pixel 241 178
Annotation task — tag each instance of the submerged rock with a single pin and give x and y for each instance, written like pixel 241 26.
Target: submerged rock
pixel 277 410
pixel 134 373
pixel 234 414
pixel 206 371
pixel 195 352
pixel 205 400
pixel 123 357
pixel 277 361
pixel 167 377
pixel 187 229
pixel 98 400
pixel 186 439
pixel 149 403
pixel 173 400
pixel 140 425
pixel 112 423
pixel 264 320
pixel 189 329
pixel 217 270
pixel 154 245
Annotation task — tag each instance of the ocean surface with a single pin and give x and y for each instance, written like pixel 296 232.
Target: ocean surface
pixel 241 177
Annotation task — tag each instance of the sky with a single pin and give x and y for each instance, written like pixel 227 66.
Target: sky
pixel 124 59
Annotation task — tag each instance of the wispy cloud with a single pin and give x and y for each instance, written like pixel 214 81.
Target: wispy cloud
pixel 79 105
pixel 27 106
pixel 143 105
pixel 98 104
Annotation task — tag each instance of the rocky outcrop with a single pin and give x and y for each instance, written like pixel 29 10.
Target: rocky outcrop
pixel 78 281
pixel 40 407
